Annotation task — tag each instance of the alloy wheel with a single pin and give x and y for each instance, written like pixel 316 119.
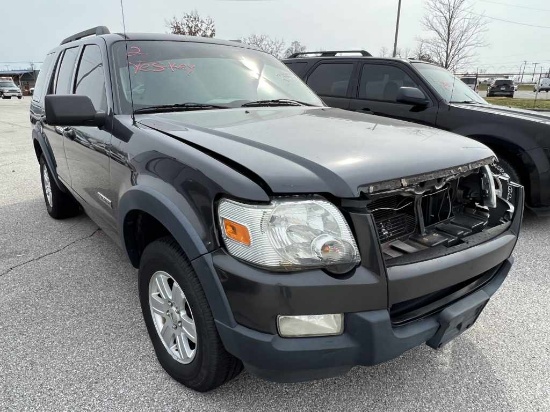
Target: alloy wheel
pixel 173 318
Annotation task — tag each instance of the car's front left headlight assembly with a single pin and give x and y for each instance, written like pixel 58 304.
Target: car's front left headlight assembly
pixel 289 234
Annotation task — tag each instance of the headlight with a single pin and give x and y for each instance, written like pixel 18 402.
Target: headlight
pixel 289 235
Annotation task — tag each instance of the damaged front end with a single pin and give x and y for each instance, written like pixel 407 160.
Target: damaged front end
pixel 430 215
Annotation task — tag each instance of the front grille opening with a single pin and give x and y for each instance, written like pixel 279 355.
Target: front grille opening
pixel 434 215
pixel 394 217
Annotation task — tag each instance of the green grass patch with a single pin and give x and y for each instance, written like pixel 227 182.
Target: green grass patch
pixel 519 103
pixel 526 87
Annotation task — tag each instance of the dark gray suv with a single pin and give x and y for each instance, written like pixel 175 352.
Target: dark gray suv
pixel 268 230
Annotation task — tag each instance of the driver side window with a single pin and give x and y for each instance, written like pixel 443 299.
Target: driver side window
pixel 382 82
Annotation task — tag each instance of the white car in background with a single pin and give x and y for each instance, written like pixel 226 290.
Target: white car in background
pixel 543 85
pixel 9 89
pixel 471 82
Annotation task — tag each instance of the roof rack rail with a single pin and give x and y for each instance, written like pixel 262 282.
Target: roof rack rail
pixel 331 53
pixel 94 31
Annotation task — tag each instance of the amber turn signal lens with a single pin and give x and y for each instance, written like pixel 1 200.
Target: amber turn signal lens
pixel 236 231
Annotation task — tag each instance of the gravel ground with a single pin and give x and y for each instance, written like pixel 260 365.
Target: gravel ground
pixel 72 336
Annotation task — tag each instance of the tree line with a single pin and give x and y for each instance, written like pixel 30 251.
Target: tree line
pixel 453 34
pixel 192 24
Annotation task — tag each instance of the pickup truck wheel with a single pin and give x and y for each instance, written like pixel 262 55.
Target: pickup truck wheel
pixel 59 205
pixel 502 166
pixel 179 319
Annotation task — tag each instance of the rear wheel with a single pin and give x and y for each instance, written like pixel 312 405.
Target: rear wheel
pixel 179 319
pixel 504 167
pixel 59 205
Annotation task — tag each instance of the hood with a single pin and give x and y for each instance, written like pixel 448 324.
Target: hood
pixel 318 149
pixel 521 114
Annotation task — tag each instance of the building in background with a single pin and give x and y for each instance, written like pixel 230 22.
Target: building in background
pixel 24 78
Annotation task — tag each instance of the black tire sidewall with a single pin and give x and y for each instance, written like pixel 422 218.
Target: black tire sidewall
pixel 160 256
pixel 49 208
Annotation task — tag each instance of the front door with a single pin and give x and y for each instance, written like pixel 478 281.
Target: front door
pixel 88 148
pixel 61 84
pixel 377 94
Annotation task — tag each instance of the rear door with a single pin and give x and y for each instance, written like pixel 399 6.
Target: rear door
pixel 88 148
pixel 379 83
pixel 333 81
pixel 61 84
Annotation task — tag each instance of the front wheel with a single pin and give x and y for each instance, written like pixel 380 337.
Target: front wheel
pixel 179 319
pixel 59 205
pixel 504 167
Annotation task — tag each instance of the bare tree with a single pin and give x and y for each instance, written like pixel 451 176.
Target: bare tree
pixel 421 52
pixel 192 24
pixel 384 52
pixel 263 42
pixel 455 32
pixel 295 47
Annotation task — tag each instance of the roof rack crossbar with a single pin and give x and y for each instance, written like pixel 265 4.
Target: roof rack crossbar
pixel 94 31
pixel 329 53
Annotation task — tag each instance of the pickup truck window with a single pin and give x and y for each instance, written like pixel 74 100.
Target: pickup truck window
pixel 170 73
pixel 331 79
pixel 451 88
pixel 382 82
pixel 65 74
pixel 90 78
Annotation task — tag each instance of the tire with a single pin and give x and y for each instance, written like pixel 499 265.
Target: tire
pixel 60 205
pixel 503 166
pixel 19 97
pixel 207 365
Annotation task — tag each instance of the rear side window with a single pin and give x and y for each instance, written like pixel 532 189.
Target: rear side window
pixel 41 81
pixel 381 82
pixel 90 77
pixel 331 79
pixel 65 72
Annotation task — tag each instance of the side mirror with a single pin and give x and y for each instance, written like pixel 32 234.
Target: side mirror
pixel 412 95
pixel 72 110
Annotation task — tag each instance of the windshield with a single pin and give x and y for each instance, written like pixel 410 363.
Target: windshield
pixel 177 72
pixel 451 88
pixel 7 84
pixel 503 82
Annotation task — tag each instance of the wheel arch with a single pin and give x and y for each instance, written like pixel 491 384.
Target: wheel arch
pixel 144 201
pixel 519 158
pixel 41 148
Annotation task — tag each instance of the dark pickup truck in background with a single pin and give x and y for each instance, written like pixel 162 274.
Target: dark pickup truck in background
pixel 269 230
pixel 424 93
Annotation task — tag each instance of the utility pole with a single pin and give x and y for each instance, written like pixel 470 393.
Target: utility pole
pixel 534 71
pixel 523 71
pixel 397 28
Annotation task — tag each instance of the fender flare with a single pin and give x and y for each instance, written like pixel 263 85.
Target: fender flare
pixel 50 161
pixel 160 207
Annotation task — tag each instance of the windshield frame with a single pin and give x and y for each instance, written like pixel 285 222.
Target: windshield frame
pixel 457 83
pixel 118 86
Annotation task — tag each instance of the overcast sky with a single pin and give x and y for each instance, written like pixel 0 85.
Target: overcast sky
pixel 39 25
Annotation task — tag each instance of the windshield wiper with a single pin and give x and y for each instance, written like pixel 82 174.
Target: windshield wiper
pixel 465 102
pixel 180 107
pixel 276 102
